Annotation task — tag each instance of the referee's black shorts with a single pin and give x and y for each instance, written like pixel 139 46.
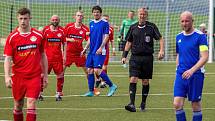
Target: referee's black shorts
pixel 141 66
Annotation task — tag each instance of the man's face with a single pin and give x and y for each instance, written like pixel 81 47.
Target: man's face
pixel 186 23
pixel 79 17
pixel 24 20
pixel 142 15
pixel 55 21
pixel 131 15
pixel 96 14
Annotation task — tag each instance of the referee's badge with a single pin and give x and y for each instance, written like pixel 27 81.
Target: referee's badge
pixel 33 38
pixel 147 39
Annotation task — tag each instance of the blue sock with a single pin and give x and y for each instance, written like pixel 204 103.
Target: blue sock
pixel 91 81
pixel 105 77
pixel 197 115
pixel 180 115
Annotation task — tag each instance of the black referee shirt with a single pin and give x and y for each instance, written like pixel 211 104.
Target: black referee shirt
pixel 142 37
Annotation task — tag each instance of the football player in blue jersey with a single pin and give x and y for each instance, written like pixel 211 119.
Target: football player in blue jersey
pixel 192 54
pixel 99 35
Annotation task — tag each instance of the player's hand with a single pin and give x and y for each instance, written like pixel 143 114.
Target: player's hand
pixel 8 82
pixel 160 55
pixel 45 81
pixel 123 60
pixel 99 51
pixel 187 74
pixel 83 52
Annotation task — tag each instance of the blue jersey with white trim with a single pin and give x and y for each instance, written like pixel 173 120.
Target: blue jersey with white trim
pixel 187 46
pixel 98 29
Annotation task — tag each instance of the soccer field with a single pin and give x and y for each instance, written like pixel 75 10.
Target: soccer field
pixel 103 108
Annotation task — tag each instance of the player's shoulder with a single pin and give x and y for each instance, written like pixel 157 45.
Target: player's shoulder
pixel 36 32
pixel 13 34
pixel 71 24
pixel 86 28
pixel 134 25
pixel 61 28
pixel 198 32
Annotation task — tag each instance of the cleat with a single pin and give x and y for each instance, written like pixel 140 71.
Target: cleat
pixel 40 98
pixel 96 92
pixel 103 85
pixel 112 90
pixel 89 94
pixel 58 98
pixel 142 107
pixel 130 107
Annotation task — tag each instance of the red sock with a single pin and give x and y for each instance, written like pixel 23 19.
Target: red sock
pixel 17 115
pixel 60 82
pixel 31 115
pixel 41 89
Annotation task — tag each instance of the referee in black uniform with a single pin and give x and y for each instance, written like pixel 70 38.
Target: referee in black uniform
pixel 140 40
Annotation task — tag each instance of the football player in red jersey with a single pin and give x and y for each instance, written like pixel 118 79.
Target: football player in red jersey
pixel 54 43
pixel 104 67
pixel 76 33
pixel 23 51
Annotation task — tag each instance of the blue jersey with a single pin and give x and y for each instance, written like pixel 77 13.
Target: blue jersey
pixel 98 29
pixel 187 46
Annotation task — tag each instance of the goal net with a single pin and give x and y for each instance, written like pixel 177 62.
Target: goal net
pixel 164 13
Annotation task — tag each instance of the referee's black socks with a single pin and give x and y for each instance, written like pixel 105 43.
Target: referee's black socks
pixel 145 92
pixel 132 92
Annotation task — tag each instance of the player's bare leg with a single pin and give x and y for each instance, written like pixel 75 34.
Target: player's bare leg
pixel 17 111
pixel 178 105
pixel 31 109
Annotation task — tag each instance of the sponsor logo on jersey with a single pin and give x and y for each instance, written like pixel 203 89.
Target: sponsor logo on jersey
pixel 80 32
pixel 59 34
pixel 33 38
pixel 54 40
pixel 26 47
pixel 179 41
pixel 147 39
pixel 75 36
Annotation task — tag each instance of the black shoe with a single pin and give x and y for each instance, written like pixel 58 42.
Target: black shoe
pixel 130 107
pixel 58 98
pixel 142 107
pixel 40 98
pixel 103 85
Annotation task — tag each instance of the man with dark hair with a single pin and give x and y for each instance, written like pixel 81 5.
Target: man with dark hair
pixel 140 40
pixel 24 50
pixel 99 35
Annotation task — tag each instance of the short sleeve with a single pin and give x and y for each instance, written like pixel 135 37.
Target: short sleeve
pixel 8 49
pixel 129 36
pixel 106 28
pixel 157 34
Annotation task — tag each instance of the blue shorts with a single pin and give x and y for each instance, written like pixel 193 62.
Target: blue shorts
pixel 191 87
pixel 95 61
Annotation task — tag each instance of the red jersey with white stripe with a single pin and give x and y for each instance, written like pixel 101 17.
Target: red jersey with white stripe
pixel 54 39
pixel 78 34
pixel 25 50
pixel 111 39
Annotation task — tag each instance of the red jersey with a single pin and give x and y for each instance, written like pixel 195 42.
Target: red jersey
pixel 111 39
pixel 25 50
pixel 78 34
pixel 53 43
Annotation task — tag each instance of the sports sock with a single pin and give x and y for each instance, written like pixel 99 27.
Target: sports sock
pixel 31 115
pixel 132 92
pixel 180 115
pixel 145 92
pixel 197 115
pixel 105 77
pixel 91 81
pixel 60 82
pixel 17 115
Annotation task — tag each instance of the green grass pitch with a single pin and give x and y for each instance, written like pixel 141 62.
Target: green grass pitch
pixel 102 108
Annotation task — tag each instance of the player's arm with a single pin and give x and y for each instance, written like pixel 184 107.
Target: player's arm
pixel 85 48
pixel 44 64
pixel 106 38
pixel 122 28
pixel 113 48
pixel 125 52
pixel 202 61
pixel 7 70
pixel 161 52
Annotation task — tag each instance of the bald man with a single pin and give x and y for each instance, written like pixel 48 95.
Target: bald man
pixel 192 54
pixel 54 42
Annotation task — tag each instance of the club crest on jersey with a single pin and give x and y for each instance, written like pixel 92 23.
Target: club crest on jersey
pixel 80 32
pixel 59 34
pixel 33 38
pixel 147 39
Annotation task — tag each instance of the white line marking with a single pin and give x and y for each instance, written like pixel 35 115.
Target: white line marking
pixel 105 109
pixel 116 95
